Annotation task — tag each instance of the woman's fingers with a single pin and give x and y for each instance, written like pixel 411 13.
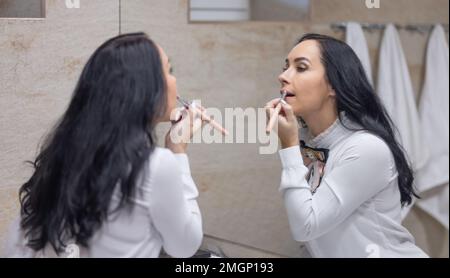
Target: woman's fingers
pixel 185 122
pixel 287 109
pixel 176 114
pixel 273 103
pixel 196 119
pixel 270 107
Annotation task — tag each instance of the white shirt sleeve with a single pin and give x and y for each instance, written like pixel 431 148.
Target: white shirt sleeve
pixel 173 206
pixel 14 243
pixel 363 170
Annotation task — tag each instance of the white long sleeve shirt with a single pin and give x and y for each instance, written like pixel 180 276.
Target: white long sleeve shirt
pixel 355 212
pixel 165 214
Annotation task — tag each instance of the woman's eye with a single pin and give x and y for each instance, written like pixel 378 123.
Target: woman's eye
pixel 301 69
pixel 285 68
pixel 171 70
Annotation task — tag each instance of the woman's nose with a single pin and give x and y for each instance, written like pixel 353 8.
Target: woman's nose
pixel 282 78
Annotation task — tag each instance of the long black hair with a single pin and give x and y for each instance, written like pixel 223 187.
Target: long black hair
pixel 103 139
pixel 356 97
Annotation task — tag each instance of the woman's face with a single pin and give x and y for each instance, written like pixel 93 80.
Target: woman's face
pixel 304 79
pixel 171 84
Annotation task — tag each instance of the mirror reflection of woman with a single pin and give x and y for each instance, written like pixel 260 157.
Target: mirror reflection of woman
pixel 100 183
pixel 345 177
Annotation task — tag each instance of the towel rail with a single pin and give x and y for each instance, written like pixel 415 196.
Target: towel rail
pixel 420 28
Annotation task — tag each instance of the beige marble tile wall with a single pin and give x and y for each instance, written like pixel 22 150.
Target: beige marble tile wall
pixel 225 65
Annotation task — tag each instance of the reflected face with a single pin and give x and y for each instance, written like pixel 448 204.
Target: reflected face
pixel 171 84
pixel 304 78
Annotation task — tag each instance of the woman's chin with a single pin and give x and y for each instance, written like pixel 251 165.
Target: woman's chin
pixel 297 112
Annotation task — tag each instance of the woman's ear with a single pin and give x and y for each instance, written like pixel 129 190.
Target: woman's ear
pixel 332 92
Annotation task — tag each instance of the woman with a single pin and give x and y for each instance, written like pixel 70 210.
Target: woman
pixel 100 185
pixel 344 187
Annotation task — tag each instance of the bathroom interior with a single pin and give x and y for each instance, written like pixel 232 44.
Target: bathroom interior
pixel 227 57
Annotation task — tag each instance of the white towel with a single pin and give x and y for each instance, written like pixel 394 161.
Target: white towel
pixel 356 40
pixel 396 92
pixel 432 179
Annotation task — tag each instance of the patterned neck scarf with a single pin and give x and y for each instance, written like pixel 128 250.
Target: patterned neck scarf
pixel 315 155
pixel 315 159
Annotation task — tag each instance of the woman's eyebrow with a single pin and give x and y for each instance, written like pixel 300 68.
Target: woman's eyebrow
pixel 298 59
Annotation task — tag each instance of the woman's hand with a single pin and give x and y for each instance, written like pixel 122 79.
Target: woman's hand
pixel 185 122
pixel 287 123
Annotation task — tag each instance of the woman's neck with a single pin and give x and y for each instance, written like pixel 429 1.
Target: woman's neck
pixel 319 122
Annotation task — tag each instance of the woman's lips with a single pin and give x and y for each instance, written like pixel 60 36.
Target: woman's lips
pixel 289 94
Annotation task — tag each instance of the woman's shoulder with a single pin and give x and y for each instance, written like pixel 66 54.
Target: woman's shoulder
pixel 369 155
pixel 366 144
pixel 366 138
pixel 161 165
pixel 161 152
pixel 161 158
